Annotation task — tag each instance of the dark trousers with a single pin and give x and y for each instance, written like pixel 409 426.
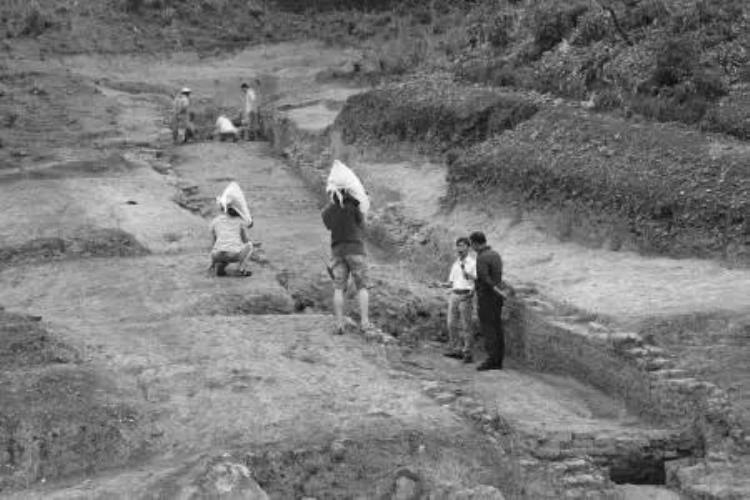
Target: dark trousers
pixel 489 310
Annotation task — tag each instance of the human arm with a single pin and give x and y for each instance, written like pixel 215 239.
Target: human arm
pixel 243 235
pixel 326 215
pixel 213 233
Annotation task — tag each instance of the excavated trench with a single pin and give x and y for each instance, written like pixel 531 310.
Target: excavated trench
pixel 582 408
pixel 542 335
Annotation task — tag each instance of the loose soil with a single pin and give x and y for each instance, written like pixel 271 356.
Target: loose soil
pixel 209 374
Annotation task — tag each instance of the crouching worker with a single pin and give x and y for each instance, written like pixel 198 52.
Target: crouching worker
pixel 225 130
pixel 231 243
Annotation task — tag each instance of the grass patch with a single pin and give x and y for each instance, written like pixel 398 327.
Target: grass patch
pixel 434 111
pixel 674 196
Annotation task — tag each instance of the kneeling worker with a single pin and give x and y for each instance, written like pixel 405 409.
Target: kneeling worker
pixel 231 243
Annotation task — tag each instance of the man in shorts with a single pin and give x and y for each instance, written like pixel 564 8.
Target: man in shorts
pixel 345 221
pixel 230 243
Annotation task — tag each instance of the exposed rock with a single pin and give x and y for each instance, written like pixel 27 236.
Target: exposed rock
pixel 407 486
pixel 638 492
pixel 225 479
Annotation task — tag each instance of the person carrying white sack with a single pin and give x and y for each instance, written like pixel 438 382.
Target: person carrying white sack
pixel 344 217
pixel 229 230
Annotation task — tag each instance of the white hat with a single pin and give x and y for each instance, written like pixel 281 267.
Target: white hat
pixel 185 90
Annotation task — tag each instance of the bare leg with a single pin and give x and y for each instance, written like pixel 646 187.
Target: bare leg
pixel 364 305
pixel 245 255
pixel 338 308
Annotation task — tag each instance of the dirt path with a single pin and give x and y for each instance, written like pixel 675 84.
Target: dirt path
pixel 221 366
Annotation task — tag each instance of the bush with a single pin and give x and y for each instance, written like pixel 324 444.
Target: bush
pixel 439 113
pixel 674 62
pixel 34 21
pixel 660 180
pixel 553 21
pixel 593 26
pixel 646 13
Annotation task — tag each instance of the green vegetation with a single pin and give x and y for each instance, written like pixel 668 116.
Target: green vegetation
pixel 431 110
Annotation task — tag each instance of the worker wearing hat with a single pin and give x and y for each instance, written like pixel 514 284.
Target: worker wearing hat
pixel 181 118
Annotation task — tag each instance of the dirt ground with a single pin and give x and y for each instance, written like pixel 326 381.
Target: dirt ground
pixel 227 381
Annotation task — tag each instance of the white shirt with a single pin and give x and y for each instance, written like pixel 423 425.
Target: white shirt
pixel 457 278
pixel 250 100
pixel 225 126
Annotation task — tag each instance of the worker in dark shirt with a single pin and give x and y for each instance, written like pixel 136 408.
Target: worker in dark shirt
pixel 489 301
pixel 345 221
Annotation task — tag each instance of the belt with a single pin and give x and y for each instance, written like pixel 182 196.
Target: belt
pixel 462 292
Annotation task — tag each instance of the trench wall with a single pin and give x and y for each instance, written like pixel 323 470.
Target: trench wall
pixel 538 333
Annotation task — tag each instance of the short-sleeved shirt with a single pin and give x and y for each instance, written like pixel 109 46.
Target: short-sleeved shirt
pixel 251 101
pixel 346 224
pixel 229 232
pixel 457 278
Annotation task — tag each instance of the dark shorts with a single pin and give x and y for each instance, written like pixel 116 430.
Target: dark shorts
pixel 355 265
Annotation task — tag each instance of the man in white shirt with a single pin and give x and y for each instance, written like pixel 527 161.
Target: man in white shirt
pixel 461 303
pixel 250 118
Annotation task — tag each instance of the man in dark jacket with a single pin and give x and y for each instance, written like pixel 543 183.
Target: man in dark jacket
pixel 348 257
pixel 489 301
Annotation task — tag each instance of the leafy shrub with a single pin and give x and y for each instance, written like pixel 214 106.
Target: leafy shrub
pixel 607 99
pixel 646 13
pixel 674 62
pixel 731 116
pixel 685 108
pixel 34 21
pixel 553 21
pixel 594 25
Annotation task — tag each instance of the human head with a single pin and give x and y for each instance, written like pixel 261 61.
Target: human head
pixel 477 239
pixel 244 86
pixel 232 212
pixel 185 91
pixel 462 246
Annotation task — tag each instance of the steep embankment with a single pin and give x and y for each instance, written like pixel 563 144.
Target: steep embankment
pixel 622 183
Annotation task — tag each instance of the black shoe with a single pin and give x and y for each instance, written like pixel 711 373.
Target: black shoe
pixel 489 366
pixel 453 354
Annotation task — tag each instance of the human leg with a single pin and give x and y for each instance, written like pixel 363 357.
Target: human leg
pixel 357 265
pixel 466 335
pixel 340 272
pixel 488 309
pixel 451 323
pixel 245 254
pixel 364 307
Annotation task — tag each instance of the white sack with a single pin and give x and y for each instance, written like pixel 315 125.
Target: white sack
pixel 341 179
pixel 225 126
pixel 235 198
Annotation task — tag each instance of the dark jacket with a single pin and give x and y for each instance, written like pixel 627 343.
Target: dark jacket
pixel 489 271
pixel 346 225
